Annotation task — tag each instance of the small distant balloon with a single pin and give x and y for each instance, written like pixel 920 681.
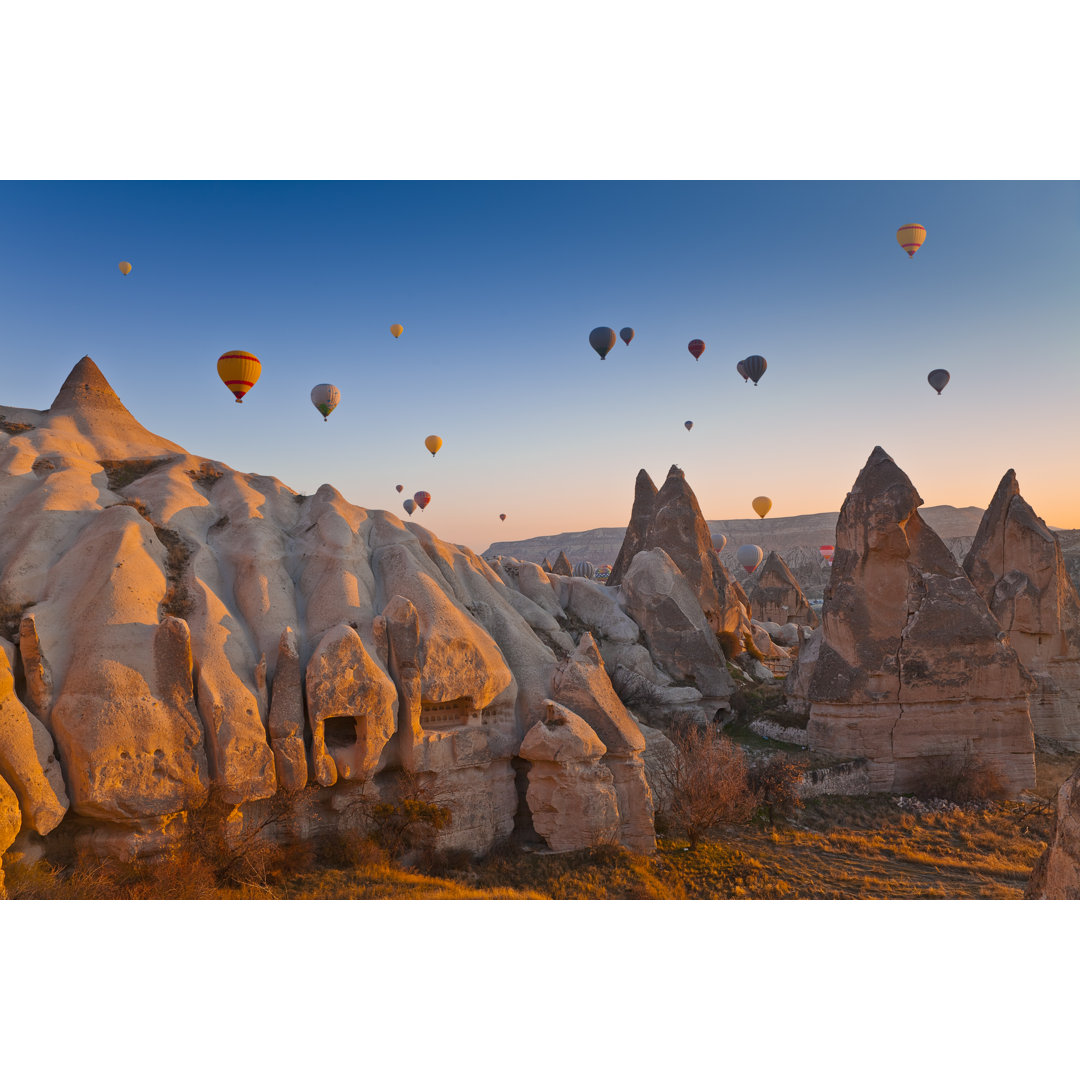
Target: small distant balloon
pixel 696 347
pixel 125 268
pixel 740 367
pixel 688 424
pixel 827 552
pixel 719 542
pixel 325 398
pixel 602 339
pixel 627 334
pixel 399 488
pixel 410 506
pixel 750 556
pixel 397 329
pixel 762 505
pixel 939 379
pixel 584 569
pixel 754 367
pixel 502 517
pixel 910 238
pixel 239 371
pixel 422 498
pixel 433 443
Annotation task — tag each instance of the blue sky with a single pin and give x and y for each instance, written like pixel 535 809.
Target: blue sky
pixel 498 286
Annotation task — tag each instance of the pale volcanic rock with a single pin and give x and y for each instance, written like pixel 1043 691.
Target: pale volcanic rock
pixel 27 759
pixel 351 708
pixel 641 515
pixel 1056 875
pixel 597 607
pixel 1016 565
pixel 570 791
pixel 562 566
pixel 533 582
pixel 797 683
pixel 36 670
pixel 123 719
pixel 581 683
pixel 777 597
pixel 286 722
pixel 912 665
pixel 10 823
pixel 659 599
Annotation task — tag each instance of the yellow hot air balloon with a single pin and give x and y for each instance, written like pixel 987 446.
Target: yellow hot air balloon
pixel 397 329
pixel 910 238
pixel 433 442
pixel 239 371
pixel 762 505
pixel 125 268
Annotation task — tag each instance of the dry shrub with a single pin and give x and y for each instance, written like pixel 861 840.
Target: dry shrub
pixel 704 783
pixel 751 648
pixel 728 641
pixel 774 782
pixel 960 777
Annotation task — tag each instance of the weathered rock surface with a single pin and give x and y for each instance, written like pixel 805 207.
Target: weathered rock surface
pixel 10 823
pixel 641 515
pixel 571 793
pixel 797 683
pixel 912 665
pixel 562 565
pixel 1016 565
pixel 286 721
pixel 776 596
pixel 1056 875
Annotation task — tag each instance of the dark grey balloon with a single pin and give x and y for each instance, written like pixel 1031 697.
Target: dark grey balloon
pixel 602 339
pixel 938 379
pixel 754 367
pixel 627 334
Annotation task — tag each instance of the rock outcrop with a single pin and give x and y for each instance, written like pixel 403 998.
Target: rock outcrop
pixel 641 515
pixel 1056 875
pixel 1016 565
pixel 562 565
pixel 912 664
pixel 776 596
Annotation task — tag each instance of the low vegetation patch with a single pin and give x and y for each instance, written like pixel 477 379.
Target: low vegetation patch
pixel 12 427
pixel 10 617
pixel 206 475
pixel 120 473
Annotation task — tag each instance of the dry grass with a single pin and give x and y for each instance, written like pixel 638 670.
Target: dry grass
pixel 13 427
pixel 120 473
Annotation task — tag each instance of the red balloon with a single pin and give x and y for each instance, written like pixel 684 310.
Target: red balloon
pixel 398 487
pixel 696 347
pixel 421 498
pixel 502 517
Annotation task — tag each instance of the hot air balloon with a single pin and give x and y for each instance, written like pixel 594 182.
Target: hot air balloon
pixel 433 442
pixel 750 556
pixel 602 339
pixel 762 505
pixel 584 569
pixel 719 541
pixel 939 379
pixel 626 334
pixel 502 517
pixel 827 553
pixel 754 367
pixel 239 371
pixel 125 268
pixel 696 347
pixel 325 398
pixel 399 488
pixel 422 498
pixel 910 238
pixel 410 506
pixel 397 329
pixel 740 367
pixel 688 424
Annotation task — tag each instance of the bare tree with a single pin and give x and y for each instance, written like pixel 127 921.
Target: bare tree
pixel 703 783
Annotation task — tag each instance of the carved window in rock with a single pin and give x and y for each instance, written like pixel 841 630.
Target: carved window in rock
pixel 441 715
pixel 340 732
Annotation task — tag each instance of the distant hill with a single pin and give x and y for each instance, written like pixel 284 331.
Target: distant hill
pixel 796 539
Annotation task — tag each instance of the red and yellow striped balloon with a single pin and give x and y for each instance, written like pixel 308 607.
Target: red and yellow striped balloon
pixel 910 238
pixel 239 371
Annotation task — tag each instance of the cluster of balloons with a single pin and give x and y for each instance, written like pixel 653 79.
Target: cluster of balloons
pixel 911 237
pixel 602 339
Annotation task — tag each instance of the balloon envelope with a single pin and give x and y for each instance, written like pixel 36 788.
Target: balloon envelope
pixel 433 442
pixel 125 268
pixel 239 371
pixel 696 347
pixel 397 329
pixel 584 569
pixel 740 367
pixel 326 398
pixel 399 488
pixel 910 238
pixel 762 505
pixel 688 424
pixel 627 334
pixel 827 553
pixel 750 556
pixel 410 506
pixel 602 339
pixel 422 498
pixel 754 367
pixel 719 542
pixel 502 517
pixel 939 379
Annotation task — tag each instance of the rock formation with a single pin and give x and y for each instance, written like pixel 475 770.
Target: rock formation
pixel 562 565
pixel 912 664
pixel 776 596
pixel 1056 875
pixel 641 515
pixel 1016 565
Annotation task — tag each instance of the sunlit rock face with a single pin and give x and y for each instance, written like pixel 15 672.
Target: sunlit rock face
pixel 776 596
pixel 179 629
pixel 912 664
pixel 1056 875
pixel 1016 565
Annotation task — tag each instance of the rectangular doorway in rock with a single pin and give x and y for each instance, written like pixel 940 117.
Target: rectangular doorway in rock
pixel 346 740
pixel 340 732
